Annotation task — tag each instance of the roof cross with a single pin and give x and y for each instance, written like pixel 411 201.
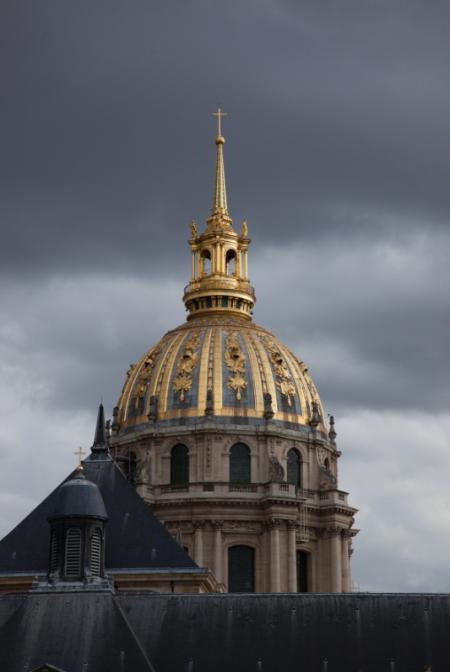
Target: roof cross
pixel 219 114
pixel 79 453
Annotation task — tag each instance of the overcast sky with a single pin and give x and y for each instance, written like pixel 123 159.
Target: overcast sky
pixel 337 154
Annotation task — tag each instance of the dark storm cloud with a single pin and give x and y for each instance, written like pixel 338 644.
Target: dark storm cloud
pixel 107 139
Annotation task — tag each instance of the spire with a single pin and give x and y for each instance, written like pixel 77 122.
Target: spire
pixel 219 263
pixel 99 444
pixel 220 188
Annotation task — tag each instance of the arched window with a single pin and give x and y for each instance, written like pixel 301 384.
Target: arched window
pixel 326 463
pixel 205 261
pixel 302 571
pixel 241 569
pixel 230 262
pixel 240 471
pixel 96 552
pixel 294 468
pixel 72 565
pixel 179 465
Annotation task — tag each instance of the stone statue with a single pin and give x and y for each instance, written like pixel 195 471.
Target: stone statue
pixel 194 232
pixel 276 471
pixel 244 229
pixel 143 470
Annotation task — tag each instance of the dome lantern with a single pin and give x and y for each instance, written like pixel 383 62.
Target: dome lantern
pixel 219 280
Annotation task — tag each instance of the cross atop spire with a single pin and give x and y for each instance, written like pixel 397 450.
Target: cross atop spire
pixel 220 206
pixel 219 114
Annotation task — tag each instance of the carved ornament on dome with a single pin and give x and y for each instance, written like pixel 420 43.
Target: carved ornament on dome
pixel 186 365
pixel 284 380
pixel 146 371
pixel 242 526
pixel 321 456
pixel 235 361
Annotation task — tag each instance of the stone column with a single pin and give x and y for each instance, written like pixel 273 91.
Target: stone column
pixel 274 527
pixel 238 263
pixel 346 581
pixel 218 550
pixel 218 255
pixel 193 265
pixel 335 560
pixel 292 556
pixel 198 542
pixel 246 264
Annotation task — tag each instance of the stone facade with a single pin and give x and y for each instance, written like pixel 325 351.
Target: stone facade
pixel 209 514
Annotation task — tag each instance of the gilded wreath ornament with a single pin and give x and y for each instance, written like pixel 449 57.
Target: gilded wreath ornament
pixel 284 380
pixel 235 361
pixel 185 367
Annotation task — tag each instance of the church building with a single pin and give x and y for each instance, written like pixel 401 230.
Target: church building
pixel 222 431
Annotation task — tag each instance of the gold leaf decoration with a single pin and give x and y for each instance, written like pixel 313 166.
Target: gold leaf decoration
pixel 284 380
pixel 235 361
pixel 146 371
pixel 185 366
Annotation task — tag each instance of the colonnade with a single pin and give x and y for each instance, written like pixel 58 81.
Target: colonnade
pixel 336 579
pixel 219 262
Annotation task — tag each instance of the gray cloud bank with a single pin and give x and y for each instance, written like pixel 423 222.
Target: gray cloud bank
pixel 337 153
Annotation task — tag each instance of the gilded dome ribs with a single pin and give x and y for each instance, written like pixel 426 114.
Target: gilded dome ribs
pixel 162 386
pixel 258 378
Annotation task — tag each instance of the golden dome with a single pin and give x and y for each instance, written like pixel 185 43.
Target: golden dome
pixel 219 366
pixel 219 363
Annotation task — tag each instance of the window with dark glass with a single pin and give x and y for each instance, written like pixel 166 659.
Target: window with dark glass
pixel 302 571
pixel 241 569
pixel 240 463
pixel 294 468
pixel 179 465
pixel 72 563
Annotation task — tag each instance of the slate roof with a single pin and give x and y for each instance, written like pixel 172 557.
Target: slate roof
pixel 135 539
pixel 72 632
pixel 219 632
pixel 292 632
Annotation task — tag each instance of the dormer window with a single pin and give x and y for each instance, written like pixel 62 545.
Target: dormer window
pixel 96 552
pixel 72 564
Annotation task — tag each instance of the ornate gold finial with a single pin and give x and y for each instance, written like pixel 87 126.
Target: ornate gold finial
pixel 79 453
pixel 220 190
